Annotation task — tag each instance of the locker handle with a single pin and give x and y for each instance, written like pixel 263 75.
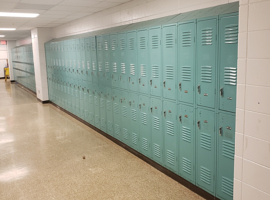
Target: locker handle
pixel 128 79
pixel 199 89
pixel 180 118
pixel 180 86
pixel 221 92
pixel 164 113
pixel 151 109
pixel 140 106
pixel 139 80
pixel 130 103
pixel 220 131
pixel 121 100
pixel 150 82
pixel 198 124
pixel 164 83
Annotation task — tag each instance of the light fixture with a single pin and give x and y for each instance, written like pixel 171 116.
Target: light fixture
pixel 7 29
pixel 2 35
pixel 10 14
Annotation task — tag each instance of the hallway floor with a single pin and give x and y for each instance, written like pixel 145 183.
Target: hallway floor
pixel 41 157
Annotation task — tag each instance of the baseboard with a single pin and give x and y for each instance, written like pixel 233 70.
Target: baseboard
pixel 12 81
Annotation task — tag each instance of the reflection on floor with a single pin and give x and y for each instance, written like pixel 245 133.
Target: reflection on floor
pixel 41 157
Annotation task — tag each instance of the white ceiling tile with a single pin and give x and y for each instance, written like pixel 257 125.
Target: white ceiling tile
pixel 68 8
pixel 28 11
pixel 10 1
pixel 7 5
pixel 105 4
pixel 58 12
pixel 33 6
pixel 80 2
pixel 44 2
pixel 119 1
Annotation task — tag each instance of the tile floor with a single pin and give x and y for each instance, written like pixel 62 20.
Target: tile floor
pixel 41 157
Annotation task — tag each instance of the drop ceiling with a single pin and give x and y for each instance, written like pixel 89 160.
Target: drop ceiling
pixel 52 13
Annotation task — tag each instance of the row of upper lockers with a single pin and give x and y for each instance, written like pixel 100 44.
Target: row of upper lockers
pixel 24 78
pixel 193 62
pixel 28 68
pixel 197 144
pixel 23 54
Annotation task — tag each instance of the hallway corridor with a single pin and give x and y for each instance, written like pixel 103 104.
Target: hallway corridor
pixel 41 157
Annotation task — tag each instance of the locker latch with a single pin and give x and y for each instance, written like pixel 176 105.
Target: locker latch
pixel 199 89
pixel 140 106
pixel 180 118
pixel 128 79
pixel 150 82
pixel 180 86
pixel 221 92
pixel 164 83
pixel 139 80
pixel 121 100
pixel 220 131
pixel 198 124
pixel 164 113
pixel 130 103
pixel 151 109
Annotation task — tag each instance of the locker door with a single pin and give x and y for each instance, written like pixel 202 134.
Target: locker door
pixel 74 59
pixel 143 61
pixel 73 101
pixel 226 143
pixel 157 130
pixel 228 62
pixel 170 134
pixel 100 72
pixel 78 58
pixel 117 114
pixel 145 126
pixel 77 98
pixel 103 118
pixel 82 55
pixel 88 60
pixel 125 126
pixel 206 61
pixel 186 60
pixel 187 142
pixel 155 61
pixel 69 97
pixel 169 60
pixel 97 105
pixel 109 111
pixel 86 101
pixel 115 65
pixel 91 104
pixel 206 150
pixel 132 61
pixel 122 53
pixel 65 95
pixel 94 59
pixel 134 121
pixel 81 96
pixel 106 60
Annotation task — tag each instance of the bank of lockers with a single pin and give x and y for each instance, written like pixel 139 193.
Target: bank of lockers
pixel 166 91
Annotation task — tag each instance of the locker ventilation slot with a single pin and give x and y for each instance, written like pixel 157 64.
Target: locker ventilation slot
pixel 124 111
pixel 186 134
pixel 117 129
pixel 206 74
pixel 114 67
pixel 107 67
pixel 156 123
pixel 186 166
pixel 132 69
pixel 186 73
pixel 109 106
pixel 169 40
pixel 143 118
pixel 157 150
pixel 186 39
pixel 143 70
pixel 170 157
pixel 133 114
pixel 155 72
pixel 231 34
pixel 93 46
pixel 170 128
pixel 99 46
pixel 142 43
pixel 207 36
pixel 125 133
pixel 113 45
pixel 100 66
pixel 131 43
pixel 123 68
pixel 206 141
pixel 94 66
pixel 155 42
pixel 205 175
pixel 102 103
pixel 227 186
pixel 145 144
pixel 230 75
pixel 116 108
pixel 106 46
pixel 169 72
pixel 228 149
pixel 122 44
pixel 134 138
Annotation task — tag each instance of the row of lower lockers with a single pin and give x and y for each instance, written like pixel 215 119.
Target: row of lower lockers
pixel 197 144
pixel 25 78
pixel 194 62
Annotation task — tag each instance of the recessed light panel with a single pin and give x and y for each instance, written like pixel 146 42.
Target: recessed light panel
pixel 7 29
pixel 10 14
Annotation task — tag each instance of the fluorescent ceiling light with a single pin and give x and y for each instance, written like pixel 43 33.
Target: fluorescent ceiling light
pixel 2 35
pixel 7 29
pixel 10 14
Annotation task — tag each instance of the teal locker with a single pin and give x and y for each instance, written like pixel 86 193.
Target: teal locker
pixel 74 59
pixel 73 97
pixel 91 105
pixel 81 96
pixel 170 135
pixel 66 43
pixel 100 73
pixel 70 59
pixel 125 115
pixel 97 105
pixel 82 55
pixel 206 62
pixel 132 61
pixel 109 110
pixel 206 150
pixel 103 117
pixel 134 131
pixel 88 75
pixel 77 97
pixel 228 29
pixel 186 62
pixel 85 100
pixel 157 131
pixel 78 58
pixel 93 55
pixel 186 142
pixel 106 60
pixel 115 65
pixel 143 61
pixel 122 53
pixel 65 94
pixel 225 158
pixel 145 126
pixel 169 60
pixel 117 114
pixel 69 100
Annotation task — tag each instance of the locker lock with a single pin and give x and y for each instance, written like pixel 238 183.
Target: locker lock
pixel 180 118
pixel 198 124
pixel 180 86
pixel 221 92
pixel 220 131
pixel 199 89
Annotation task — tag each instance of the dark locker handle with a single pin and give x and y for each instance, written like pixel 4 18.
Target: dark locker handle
pixel 199 89
pixel 220 131
pixel 164 113
pixel 180 118
pixel 130 103
pixel 221 92
pixel 129 79
pixel 121 100
pixel 164 83
pixel 150 82
pixel 180 86
pixel 140 106
pixel 198 124
pixel 151 109
pixel 139 80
